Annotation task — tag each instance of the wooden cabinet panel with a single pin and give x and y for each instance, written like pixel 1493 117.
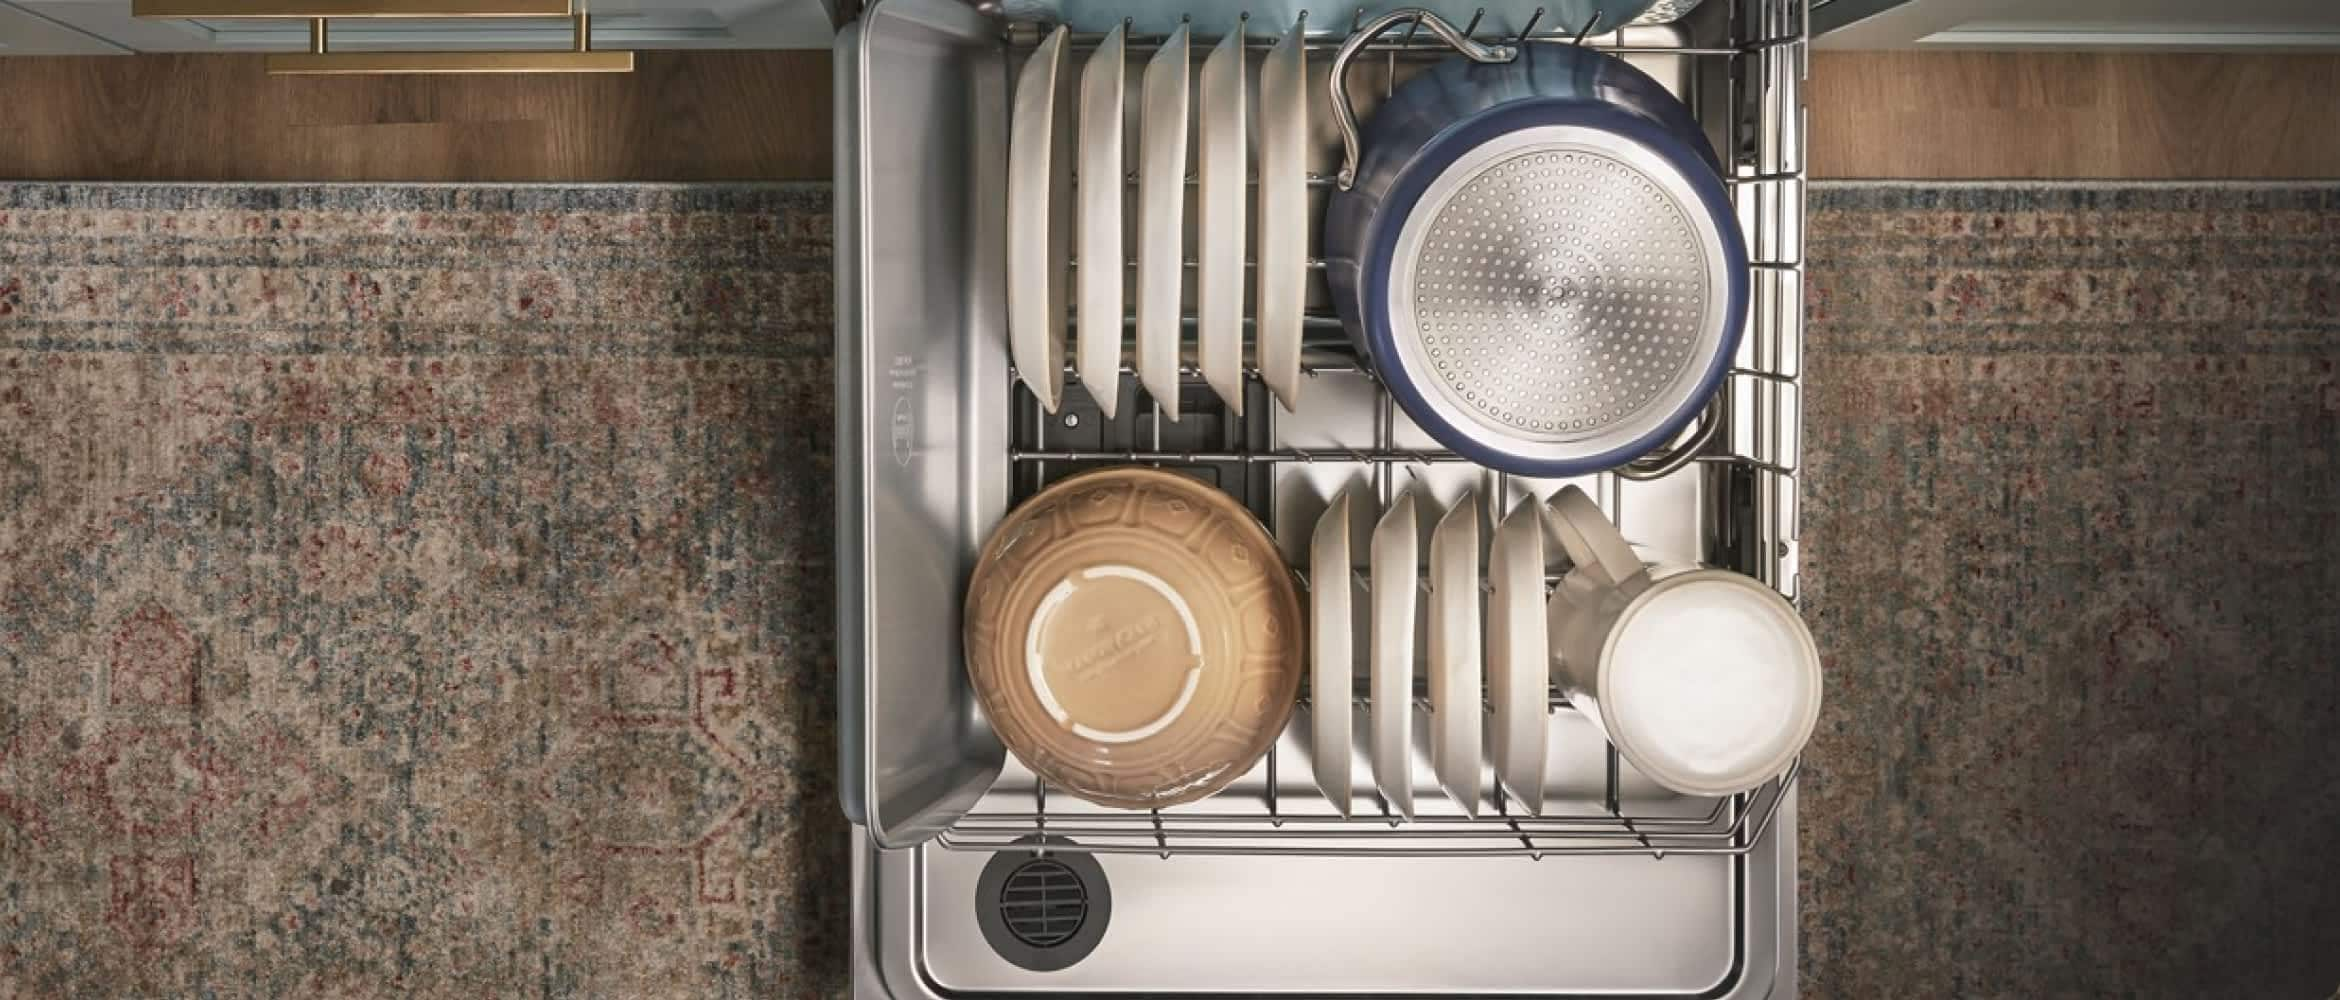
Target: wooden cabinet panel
pixel 680 116
pixel 617 24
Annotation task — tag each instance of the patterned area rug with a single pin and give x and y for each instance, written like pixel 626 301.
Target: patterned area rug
pixel 2073 516
pixel 425 591
pixel 416 591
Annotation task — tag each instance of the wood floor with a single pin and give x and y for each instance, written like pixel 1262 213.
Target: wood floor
pixel 766 116
pixel 678 117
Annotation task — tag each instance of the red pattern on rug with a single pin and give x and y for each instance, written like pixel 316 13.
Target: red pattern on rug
pixel 416 591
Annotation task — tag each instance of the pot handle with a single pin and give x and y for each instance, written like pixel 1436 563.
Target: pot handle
pixel 1345 116
pixel 1665 461
pixel 1591 540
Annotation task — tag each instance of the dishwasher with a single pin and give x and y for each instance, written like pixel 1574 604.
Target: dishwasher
pixel 970 878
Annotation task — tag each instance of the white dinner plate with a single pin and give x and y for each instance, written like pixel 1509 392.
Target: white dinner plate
pixel 1161 219
pixel 1518 653
pixel 1395 575
pixel 1097 346
pixel 1281 278
pixel 1455 653
pixel 1040 164
pixel 1220 190
pixel 1333 673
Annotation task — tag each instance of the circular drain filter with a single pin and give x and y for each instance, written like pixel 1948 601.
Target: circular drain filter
pixel 1042 912
pixel 1043 902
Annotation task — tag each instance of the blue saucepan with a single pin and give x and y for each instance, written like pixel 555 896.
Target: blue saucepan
pixel 1533 248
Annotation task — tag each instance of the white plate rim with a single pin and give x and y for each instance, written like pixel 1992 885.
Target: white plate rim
pixel 1162 138
pixel 1333 670
pixel 1396 579
pixel 1456 654
pixel 1036 282
pixel 1281 278
pixel 1103 89
pixel 1518 657
pixel 1220 186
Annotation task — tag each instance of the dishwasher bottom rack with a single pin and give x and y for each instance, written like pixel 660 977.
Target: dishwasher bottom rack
pixel 1286 467
pixel 1730 826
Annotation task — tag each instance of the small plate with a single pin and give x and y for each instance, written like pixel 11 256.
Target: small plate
pixel 1282 275
pixel 1396 574
pixel 1040 162
pixel 1518 654
pixel 1220 190
pixel 1455 653
pixel 1161 219
pixel 1097 348
pixel 1333 676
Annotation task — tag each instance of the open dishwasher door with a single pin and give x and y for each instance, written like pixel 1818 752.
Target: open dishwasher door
pixel 921 382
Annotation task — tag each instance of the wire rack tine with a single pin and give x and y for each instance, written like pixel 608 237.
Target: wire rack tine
pixel 1581 33
pixel 1019 37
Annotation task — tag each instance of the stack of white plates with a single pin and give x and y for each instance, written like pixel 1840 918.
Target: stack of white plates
pixel 1069 234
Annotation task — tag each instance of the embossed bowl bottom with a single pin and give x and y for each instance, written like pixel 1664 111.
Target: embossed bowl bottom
pixel 1134 637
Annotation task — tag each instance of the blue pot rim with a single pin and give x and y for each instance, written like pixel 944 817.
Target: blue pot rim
pixel 1449 145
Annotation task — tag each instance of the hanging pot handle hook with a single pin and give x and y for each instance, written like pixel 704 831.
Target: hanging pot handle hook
pixel 1345 116
pixel 1666 460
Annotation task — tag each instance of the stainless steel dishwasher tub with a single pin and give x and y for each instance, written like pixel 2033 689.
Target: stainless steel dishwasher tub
pixel 1264 888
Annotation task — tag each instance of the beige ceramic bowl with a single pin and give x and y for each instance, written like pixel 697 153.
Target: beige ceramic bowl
pixel 1134 637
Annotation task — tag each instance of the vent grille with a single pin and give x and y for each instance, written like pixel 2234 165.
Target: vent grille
pixel 1043 903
